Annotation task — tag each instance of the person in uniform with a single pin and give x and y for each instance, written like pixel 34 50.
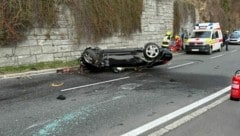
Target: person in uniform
pixel 225 39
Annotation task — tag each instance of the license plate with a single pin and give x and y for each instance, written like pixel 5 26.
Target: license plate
pixel 195 49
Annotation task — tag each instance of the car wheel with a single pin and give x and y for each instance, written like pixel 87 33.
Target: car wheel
pixel 151 51
pixel 89 57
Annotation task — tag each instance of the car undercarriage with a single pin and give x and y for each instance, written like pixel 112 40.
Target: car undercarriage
pixel 151 55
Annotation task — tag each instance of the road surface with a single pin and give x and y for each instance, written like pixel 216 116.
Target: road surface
pixel 107 103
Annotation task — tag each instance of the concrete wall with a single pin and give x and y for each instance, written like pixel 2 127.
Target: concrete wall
pixel 44 45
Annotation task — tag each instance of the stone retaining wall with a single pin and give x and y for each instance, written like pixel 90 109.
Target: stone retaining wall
pixel 44 45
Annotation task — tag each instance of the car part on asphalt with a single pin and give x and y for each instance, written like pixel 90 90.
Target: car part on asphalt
pixel 96 59
pixel 56 84
pixel 61 97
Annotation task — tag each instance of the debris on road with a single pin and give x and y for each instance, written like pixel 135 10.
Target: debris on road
pixel 173 80
pixel 57 84
pixel 68 70
pixel 61 97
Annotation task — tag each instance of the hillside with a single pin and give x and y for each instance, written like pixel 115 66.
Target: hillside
pixel 224 11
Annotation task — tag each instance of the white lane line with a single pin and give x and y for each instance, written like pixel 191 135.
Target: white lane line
pixel 234 51
pixel 189 117
pixel 142 129
pixel 214 57
pixel 98 83
pixel 182 65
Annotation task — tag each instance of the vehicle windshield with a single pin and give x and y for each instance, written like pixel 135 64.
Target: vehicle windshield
pixel 201 34
pixel 235 35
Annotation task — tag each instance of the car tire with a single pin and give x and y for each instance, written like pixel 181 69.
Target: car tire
pixel 89 57
pixel 187 52
pixel 151 51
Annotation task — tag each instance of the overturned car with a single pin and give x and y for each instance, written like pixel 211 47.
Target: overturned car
pixel 96 59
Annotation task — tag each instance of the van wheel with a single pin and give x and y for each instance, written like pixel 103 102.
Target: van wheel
pixel 220 49
pixel 210 51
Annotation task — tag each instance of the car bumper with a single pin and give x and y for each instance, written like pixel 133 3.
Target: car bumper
pixel 197 48
pixel 234 42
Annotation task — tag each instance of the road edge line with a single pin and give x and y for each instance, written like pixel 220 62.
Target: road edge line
pixel 188 117
pixel 181 65
pixel 143 129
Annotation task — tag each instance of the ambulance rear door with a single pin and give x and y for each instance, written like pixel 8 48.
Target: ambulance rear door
pixel 217 40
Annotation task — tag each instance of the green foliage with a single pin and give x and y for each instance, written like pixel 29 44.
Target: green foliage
pixel 95 19
pixel 182 11
pixel 225 5
pixel 17 16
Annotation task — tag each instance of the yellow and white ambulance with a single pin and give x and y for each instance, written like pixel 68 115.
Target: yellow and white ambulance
pixel 206 37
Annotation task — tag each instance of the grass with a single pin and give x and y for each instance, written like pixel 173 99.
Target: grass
pixel 37 66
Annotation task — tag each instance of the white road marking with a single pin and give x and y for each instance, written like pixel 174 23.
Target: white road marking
pixel 176 54
pixel 98 83
pixel 234 51
pixel 142 129
pixel 214 57
pixel 188 117
pixel 181 65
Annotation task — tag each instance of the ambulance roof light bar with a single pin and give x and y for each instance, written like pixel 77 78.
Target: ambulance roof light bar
pixel 207 26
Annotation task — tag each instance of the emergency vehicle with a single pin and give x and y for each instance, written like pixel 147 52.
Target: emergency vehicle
pixel 206 37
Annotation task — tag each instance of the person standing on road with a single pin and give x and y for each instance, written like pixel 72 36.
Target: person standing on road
pixel 184 37
pixel 225 39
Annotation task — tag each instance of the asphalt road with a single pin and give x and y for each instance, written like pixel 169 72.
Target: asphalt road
pixel 223 120
pixel 110 104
